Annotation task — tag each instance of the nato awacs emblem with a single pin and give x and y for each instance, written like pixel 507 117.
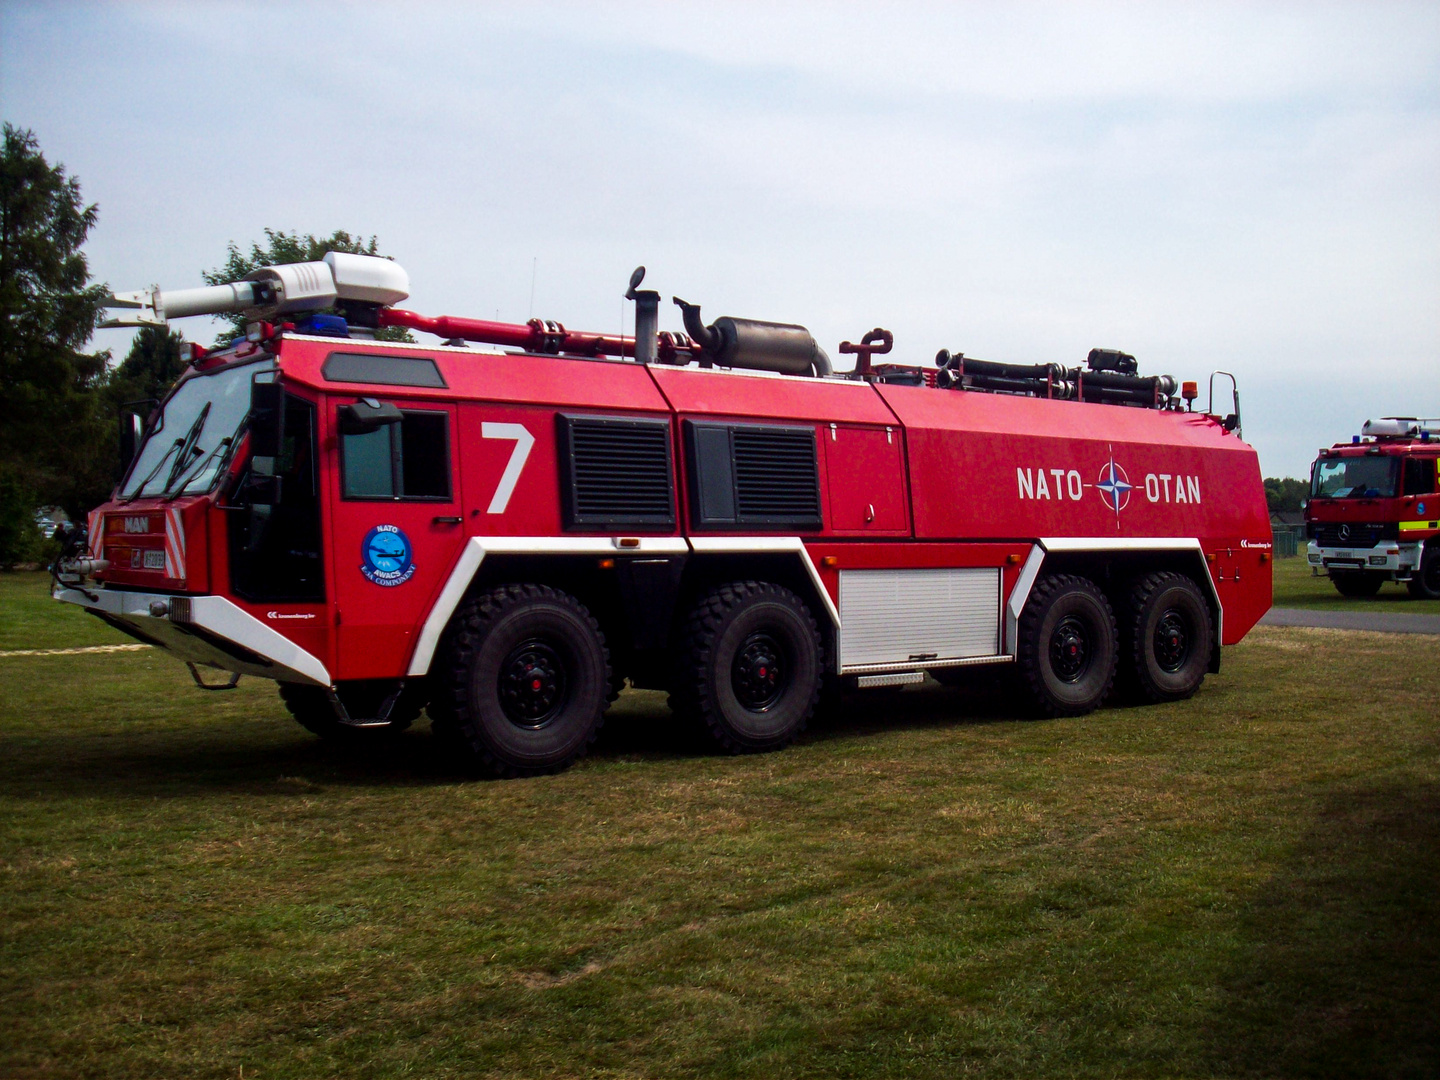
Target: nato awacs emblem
pixel 386 556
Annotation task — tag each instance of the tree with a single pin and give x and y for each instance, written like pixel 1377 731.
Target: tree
pixel 280 249
pixel 54 424
pixel 149 369
pixel 1286 494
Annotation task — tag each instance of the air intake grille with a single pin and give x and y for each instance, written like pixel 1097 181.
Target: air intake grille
pixel 753 475
pixel 775 477
pixel 615 471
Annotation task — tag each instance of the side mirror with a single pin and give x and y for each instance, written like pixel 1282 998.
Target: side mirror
pixel 267 418
pixel 367 415
pixel 132 429
pixel 267 415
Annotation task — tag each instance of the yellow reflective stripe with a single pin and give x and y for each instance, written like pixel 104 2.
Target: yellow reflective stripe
pixel 1411 526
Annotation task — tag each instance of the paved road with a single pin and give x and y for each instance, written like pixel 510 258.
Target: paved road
pixel 1385 622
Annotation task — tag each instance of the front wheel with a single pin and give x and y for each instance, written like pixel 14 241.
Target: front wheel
pixel 1357 583
pixel 1169 636
pixel 749 666
pixel 527 680
pixel 1066 645
pixel 1425 584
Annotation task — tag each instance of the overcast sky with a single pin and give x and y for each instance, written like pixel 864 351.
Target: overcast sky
pixel 1250 187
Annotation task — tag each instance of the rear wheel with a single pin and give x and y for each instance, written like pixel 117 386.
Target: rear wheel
pixel 1168 637
pixel 1425 584
pixel 1357 583
pixel 526 680
pixel 364 700
pixel 749 666
pixel 1066 645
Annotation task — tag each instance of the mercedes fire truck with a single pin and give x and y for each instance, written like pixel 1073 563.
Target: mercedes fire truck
pixel 1374 509
pixel 507 534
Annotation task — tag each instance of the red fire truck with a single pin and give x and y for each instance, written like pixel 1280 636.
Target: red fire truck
pixel 1374 509
pixel 507 535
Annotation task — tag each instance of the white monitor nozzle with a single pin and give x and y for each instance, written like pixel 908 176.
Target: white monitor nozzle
pixel 270 291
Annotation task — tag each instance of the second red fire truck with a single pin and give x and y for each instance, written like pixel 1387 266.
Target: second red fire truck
pixel 1374 509
pixel 506 535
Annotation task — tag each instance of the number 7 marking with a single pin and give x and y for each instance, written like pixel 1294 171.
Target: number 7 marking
pixel 523 442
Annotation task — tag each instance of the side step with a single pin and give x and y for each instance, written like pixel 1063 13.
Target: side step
pixel 891 678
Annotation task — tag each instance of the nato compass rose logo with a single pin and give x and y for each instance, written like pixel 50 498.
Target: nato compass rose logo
pixel 1114 487
pixel 385 556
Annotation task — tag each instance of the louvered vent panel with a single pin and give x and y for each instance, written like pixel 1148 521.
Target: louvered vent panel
pixel 618 471
pixel 775 477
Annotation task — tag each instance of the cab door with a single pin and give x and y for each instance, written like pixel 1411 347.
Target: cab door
pixel 397 532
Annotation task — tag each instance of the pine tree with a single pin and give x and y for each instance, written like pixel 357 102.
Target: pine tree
pixel 53 426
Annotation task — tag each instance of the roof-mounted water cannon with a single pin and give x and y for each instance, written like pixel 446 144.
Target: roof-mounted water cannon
pixel 360 285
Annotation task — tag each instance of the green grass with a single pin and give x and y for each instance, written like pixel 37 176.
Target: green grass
pixel 1295 587
pixel 29 619
pixel 1247 883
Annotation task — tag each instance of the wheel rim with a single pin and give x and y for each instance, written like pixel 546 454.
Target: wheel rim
pixel 533 685
pixel 1172 641
pixel 759 675
pixel 1430 574
pixel 1070 649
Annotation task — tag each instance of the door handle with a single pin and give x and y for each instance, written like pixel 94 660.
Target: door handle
pixel 446 520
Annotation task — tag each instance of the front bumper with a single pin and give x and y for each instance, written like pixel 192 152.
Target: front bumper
pixel 203 630
pixel 1398 560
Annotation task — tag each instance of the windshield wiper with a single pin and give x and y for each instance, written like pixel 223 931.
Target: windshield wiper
pixel 188 446
pixel 140 487
pixel 199 467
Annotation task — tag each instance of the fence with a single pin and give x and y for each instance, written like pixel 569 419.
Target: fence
pixel 1289 540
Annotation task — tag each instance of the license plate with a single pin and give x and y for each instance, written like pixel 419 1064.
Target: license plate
pixel 154 560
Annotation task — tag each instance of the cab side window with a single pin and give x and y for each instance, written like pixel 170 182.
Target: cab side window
pixel 408 460
pixel 1420 476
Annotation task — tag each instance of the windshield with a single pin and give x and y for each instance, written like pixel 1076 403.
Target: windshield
pixel 192 441
pixel 1354 478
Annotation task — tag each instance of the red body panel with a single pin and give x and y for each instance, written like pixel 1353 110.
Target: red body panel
pixel 969 455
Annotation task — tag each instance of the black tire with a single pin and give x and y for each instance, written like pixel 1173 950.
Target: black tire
pixel 1425 584
pixel 1357 583
pixel 1168 637
pixel 363 699
pixel 1066 645
pixel 525 679
pixel 749 666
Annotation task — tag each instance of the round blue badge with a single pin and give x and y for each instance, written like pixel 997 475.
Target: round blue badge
pixel 385 556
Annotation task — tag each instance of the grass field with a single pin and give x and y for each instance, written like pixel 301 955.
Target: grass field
pixel 1295 587
pixel 1244 884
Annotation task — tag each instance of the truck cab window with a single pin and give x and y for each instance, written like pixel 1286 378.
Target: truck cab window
pixel 1420 476
pixel 408 460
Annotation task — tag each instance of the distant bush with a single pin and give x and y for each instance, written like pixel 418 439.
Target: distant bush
pixel 1286 494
